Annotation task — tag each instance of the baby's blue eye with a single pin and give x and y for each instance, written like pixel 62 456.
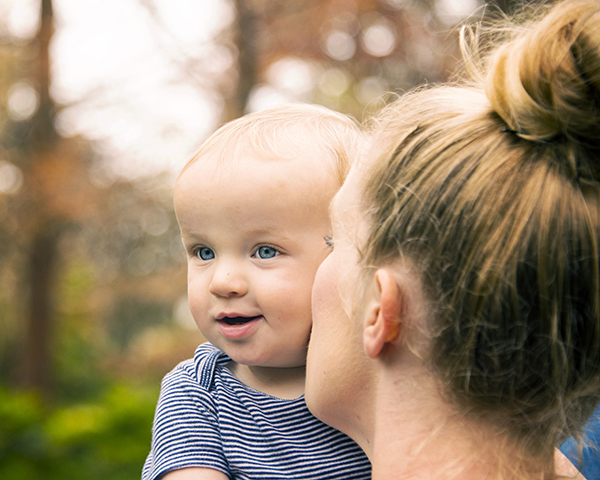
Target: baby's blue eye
pixel 205 253
pixel 266 252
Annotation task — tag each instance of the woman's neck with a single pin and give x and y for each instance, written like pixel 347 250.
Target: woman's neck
pixel 417 435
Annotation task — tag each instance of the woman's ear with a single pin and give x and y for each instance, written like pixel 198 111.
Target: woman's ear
pixel 383 314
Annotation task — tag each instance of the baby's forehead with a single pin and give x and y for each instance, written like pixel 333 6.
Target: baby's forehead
pixel 308 165
pixel 300 160
pixel 261 188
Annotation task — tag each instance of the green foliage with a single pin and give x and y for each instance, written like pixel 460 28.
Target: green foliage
pixel 139 313
pixel 106 439
pixel 80 339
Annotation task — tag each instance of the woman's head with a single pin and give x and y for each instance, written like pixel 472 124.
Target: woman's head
pixel 492 196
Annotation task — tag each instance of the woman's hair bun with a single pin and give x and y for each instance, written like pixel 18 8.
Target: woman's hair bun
pixel 545 83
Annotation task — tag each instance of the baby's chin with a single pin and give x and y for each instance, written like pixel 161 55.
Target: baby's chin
pixel 254 360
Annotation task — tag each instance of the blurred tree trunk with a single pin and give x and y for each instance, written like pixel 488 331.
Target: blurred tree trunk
pixel 37 352
pixel 44 227
pixel 246 26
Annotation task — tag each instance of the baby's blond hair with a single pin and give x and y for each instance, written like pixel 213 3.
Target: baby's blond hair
pixel 284 130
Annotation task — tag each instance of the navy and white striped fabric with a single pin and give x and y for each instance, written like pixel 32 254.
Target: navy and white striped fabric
pixel 207 418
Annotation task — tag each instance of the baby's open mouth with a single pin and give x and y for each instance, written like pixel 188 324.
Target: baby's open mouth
pixel 237 320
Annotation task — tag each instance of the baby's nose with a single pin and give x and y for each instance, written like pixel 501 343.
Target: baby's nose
pixel 228 280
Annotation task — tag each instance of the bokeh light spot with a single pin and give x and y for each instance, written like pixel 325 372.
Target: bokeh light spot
pixel 454 11
pixel 339 45
pixel 11 177
pixel 334 82
pixel 265 96
pixel 379 40
pixel 370 88
pixel 292 76
pixel 22 101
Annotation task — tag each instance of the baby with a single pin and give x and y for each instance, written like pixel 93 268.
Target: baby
pixel 252 206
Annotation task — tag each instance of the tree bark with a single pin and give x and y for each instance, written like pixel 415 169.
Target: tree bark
pixel 246 21
pixel 36 370
pixel 37 362
pixel 42 133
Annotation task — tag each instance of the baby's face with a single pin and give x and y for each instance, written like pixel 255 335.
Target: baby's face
pixel 253 233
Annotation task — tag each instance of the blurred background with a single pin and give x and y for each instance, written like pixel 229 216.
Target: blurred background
pixel 101 104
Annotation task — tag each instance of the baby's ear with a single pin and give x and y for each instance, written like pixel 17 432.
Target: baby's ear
pixel 383 320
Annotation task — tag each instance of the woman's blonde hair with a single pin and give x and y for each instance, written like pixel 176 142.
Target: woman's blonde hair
pixel 492 192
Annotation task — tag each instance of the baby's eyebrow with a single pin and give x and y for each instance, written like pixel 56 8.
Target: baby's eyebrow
pixel 189 236
pixel 186 239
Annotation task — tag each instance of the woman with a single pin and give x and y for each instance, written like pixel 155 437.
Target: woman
pixel 457 321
